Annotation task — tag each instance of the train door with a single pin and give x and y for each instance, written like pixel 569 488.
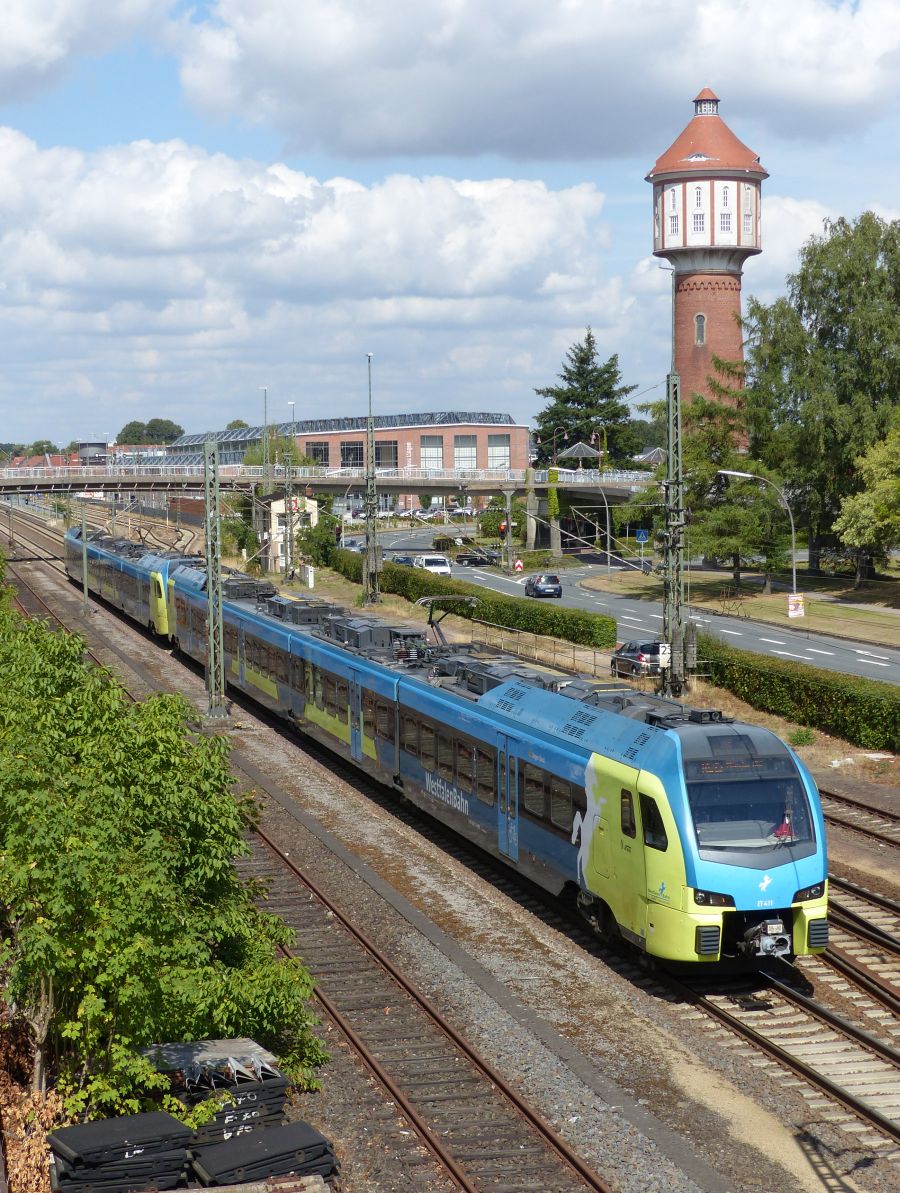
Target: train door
pixel 507 799
pixel 355 715
pixel 171 615
pixel 628 866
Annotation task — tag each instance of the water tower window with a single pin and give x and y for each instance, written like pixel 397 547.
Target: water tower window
pixel 699 222
pixel 673 225
pixel 672 199
pixel 724 221
pixel 699 329
pixel 698 197
pixel 724 196
pixel 748 224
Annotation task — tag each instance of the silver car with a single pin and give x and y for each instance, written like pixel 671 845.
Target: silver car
pixel 636 658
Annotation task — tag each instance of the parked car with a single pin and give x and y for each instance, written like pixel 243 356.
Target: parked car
pixel 477 557
pixel 546 584
pixel 403 560
pixel 636 658
pixel 438 565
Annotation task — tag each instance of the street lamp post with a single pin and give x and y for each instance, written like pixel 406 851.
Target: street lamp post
pixel 755 476
pixel 565 435
pixel 372 593
pixel 265 442
pixel 595 438
pixel 556 431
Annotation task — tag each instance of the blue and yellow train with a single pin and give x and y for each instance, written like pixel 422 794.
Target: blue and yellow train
pixel 692 836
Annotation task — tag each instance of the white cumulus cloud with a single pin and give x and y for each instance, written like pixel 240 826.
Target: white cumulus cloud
pixel 161 273
pixel 531 79
pixel 40 38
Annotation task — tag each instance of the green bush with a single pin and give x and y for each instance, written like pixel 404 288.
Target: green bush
pixel 862 711
pixel 515 613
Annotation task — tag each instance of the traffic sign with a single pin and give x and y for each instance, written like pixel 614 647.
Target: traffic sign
pixel 642 536
pixel 518 565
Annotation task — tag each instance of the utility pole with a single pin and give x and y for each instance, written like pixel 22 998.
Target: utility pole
pixel 370 579
pixel 507 497
pixel 215 658
pixel 289 500
pixel 85 602
pixel 673 577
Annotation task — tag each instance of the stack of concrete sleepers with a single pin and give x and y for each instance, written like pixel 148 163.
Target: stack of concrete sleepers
pixel 113 1155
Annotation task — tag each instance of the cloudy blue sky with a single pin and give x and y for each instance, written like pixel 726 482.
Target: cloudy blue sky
pixel 197 200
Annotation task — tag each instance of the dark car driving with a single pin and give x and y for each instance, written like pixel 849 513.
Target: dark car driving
pixel 403 560
pixel 636 658
pixel 477 557
pixel 544 584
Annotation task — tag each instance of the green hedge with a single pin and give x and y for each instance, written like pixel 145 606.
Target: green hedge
pixel 515 613
pixel 862 711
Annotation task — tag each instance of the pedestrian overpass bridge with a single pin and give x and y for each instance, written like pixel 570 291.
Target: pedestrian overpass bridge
pixel 612 485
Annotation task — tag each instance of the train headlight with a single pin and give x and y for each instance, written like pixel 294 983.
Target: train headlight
pixel 712 899
pixel 816 891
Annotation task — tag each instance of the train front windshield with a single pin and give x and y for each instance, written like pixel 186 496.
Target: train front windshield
pixel 748 802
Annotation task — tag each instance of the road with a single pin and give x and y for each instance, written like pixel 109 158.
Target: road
pixel 639 619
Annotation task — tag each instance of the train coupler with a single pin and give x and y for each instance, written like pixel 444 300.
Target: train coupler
pixel 767 938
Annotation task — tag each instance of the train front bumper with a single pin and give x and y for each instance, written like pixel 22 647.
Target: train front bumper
pixel 696 935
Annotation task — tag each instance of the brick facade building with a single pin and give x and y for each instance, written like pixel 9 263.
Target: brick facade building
pixel 706 223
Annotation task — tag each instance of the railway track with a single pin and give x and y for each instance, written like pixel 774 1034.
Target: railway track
pixel 840 1063
pixel 472 1121
pixel 479 1130
pixel 847 1064
pixel 877 824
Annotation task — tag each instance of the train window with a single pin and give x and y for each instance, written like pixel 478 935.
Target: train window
pixel 368 714
pixel 445 757
pixel 426 745
pixel 384 720
pixel 560 804
pixel 328 692
pixel 465 766
pixel 629 829
pixel 654 829
pixel 486 776
pixel 318 689
pixel 504 785
pixel 297 674
pixel 533 794
pixel 342 701
pixel 283 664
pixel 410 739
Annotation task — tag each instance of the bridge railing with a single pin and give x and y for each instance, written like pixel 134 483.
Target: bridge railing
pixel 588 477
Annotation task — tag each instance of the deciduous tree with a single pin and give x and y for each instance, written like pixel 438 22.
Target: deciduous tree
pixel 823 367
pixel 869 521
pixel 123 918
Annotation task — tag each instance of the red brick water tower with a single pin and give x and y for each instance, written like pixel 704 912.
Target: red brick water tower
pixel 706 223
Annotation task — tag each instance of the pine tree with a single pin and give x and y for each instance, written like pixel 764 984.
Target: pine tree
pixel 589 404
